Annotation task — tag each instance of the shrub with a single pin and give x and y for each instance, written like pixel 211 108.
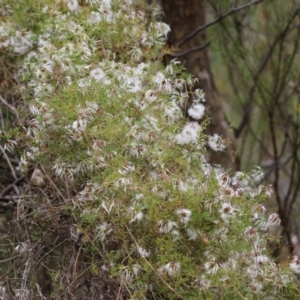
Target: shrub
pixel 121 203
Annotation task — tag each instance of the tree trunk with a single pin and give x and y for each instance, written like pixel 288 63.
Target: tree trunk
pixel 184 17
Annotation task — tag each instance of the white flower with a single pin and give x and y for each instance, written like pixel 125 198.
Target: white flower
pixel 256 287
pixel 60 168
pixel 216 143
pixel 196 111
pixel 141 69
pixel 227 211
pixel 162 29
pixel 48 65
pixel 133 84
pixel 211 267
pixel 258 247
pixel 157 189
pixel 269 190
pixel 170 269
pixel 166 227
pixel 72 5
pixel 261 260
pixel 44 40
pixel 184 215
pixel 189 134
pixel 143 252
pixel 253 271
pixel 104 230
pixel 75 233
pixel 10 145
pixel 151 123
pixel 6 11
pixel 127 169
pixel 22 294
pixel 151 96
pixel 180 83
pixel 79 125
pixel 231 263
pixel 22 247
pixel 251 232
pixel 200 95
pixel 146 40
pixel 136 54
pixel 159 78
pixel 182 186
pixel 137 215
pixel 176 235
pixel 206 168
pixel 97 74
pixel 137 150
pixel 221 234
pixel 170 69
pixel 130 273
pixel 172 111
pixel 90 108
pixel 139 197
pixel 124 181
pixel 257 174
pixel 107 206
pixel 192 234
pixel 105 5
pixel 140 104
pixel 104 268
pixel 21 42
pixel 94 18
pixel 84 83
pixel 3 294
pixel 295 264
pixel 203 283
pixel 273 221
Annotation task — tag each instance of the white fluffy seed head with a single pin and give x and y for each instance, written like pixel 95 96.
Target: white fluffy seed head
pixel 196 111
pixel 189 134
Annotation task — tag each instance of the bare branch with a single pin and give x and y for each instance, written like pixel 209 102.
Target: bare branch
pixel 256 77
pixel 11 186
pixel 4 206
pixel 8 105
pixel 8 162
pixel 221 17
pixel 190 50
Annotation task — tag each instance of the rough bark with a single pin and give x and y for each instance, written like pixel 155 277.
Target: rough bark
pixel 183 18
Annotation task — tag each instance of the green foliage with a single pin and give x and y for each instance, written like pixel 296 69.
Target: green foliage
pixel 121 192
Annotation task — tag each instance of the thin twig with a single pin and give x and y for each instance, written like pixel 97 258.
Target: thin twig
pixel 8 162
pixel 2 119
pixel 9 198
pixel 74 273
pixel 11 186
pixel 6 206
pixel 221 17
pixel 256 77
pixel 8 105
pixel 190 50
pixel 53 184
pixel 42 297
pixel 56 246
